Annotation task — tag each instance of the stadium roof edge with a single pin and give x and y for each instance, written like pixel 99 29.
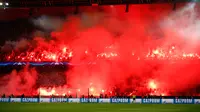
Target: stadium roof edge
pixel 64 3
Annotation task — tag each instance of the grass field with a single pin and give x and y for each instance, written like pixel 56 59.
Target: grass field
pixel 65 107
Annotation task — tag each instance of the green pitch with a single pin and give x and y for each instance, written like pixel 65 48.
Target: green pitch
pixel 65 107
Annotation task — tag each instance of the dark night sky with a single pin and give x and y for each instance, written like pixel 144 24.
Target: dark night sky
pixel 12 30
pixel 16 23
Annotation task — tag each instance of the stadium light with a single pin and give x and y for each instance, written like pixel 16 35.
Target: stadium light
pixel 1 3
pixel 7 4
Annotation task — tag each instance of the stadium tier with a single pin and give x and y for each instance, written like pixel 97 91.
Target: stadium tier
pixel 39 63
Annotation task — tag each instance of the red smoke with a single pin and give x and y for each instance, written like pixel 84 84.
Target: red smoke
pixel 128 50
pixel 18 83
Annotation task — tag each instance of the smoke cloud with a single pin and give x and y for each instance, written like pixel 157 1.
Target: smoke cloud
pixel 19 82
pixel 123 41
pixel 48 23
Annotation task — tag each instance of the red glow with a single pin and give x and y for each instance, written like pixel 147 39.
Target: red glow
pixel 91 89
pixel 64 55
pixel 102 91
pixel 152 85
pixel 128 50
